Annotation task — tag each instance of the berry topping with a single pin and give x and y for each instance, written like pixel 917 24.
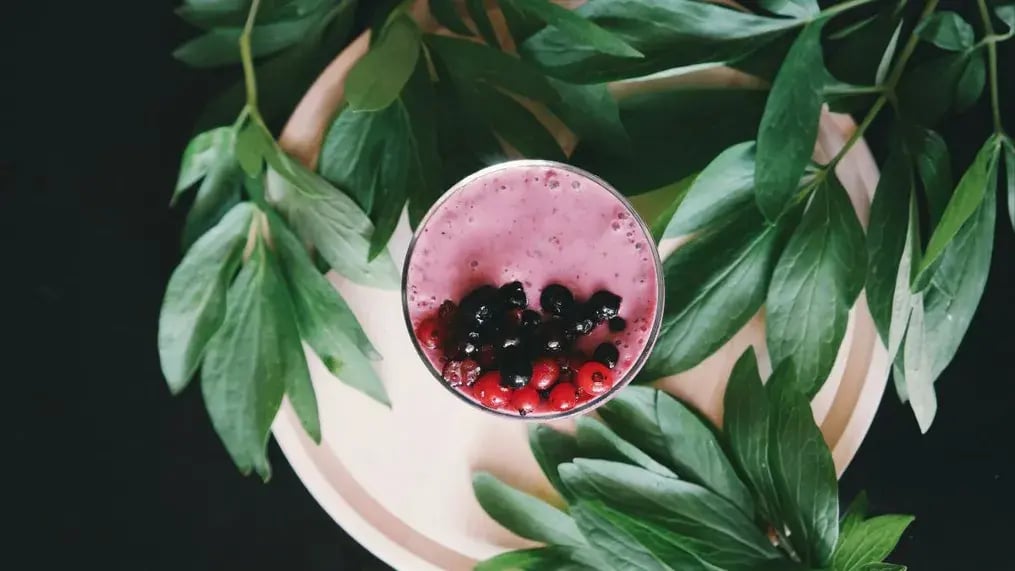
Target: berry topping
pixel 544 373
pixel 446 312
pixel 489 391
pixel 530 319
pixel 563 397
pixel 556 299
pixel 479 308
pixel 458 373
pixel 607 354
pixel 552 338
pixel 585 320
pixel 428 333
pixel 487 356
pixel 513 295
pixel 618 324
pixel 515 368
pixel 605 304
pixel 525 400
pixel 511 340
pixel 468 348
pixel 594 378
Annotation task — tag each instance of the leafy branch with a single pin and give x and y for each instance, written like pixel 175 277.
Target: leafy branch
pixel 653 487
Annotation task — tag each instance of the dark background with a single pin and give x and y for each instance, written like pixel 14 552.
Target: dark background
pixel 103 466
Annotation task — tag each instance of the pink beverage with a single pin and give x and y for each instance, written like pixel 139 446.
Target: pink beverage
pixel 532 289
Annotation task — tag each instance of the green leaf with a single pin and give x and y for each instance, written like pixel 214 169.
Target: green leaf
pixel 512 121
pixel 551 449
pixel 520 24
pixel 917 357
pixel 593 114
pixel 201 154
pixel 971 82
pixel 353 150
pixel 470 61
pixel 886 237
pixel 793 8
pixel 378 77
pixel 252 360
pixel 599 442
pixel 481 18
pixel 325 321
pixel 928 90
pixel 710 120
pixel 1009 163
pixel 221 46
pixel 964 202
pixel 861 55
pixel 523 514
pixel 746 424
pixel 446 14
pixel 424 181
pixel 253 144
pixel 1006 13
pixel 670 33
pixel 195 302
pixel 855 514
pixel 934 165
pixel 674 519
pixel 330 220
pixel 815 283
pixel 554 558
pixel 607 532
pixel 580 30
pixel 715 284
pixel 869 542
pixel 883 567
pixel 902 300
pixel 723 188
pixel 789 126
pixel 804 476
pixel 658 206
pixel 291 71
pixel 669 432
pixel 950 301
pixel 946 30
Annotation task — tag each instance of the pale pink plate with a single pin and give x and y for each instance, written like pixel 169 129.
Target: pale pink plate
pixel 399 480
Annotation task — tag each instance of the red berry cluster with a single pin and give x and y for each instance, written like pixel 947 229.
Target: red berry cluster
pixel 511 358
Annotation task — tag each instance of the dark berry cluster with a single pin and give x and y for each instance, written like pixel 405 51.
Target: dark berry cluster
pixel 511 357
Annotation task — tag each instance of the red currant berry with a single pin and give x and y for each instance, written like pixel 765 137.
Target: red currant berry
pixel 594 378
pixel 458 373
pixel 488 391
pixel 563 397
pixel 428 333
pixel 525 400
pixel 544 373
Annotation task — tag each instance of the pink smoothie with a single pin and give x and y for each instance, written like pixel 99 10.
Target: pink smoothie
pixel 538 223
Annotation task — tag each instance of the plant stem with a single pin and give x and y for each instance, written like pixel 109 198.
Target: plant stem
pixel 245 56
pixel 889 91
pixel 843 7
pixel 995 105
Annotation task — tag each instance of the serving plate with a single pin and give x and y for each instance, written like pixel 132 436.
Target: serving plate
pixel 398 480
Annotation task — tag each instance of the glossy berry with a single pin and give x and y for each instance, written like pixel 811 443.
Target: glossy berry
pixel 511 340
pixel 486 356
pixel 563 397
pixel 515 368
pixel 525 400
pixel 446 312
pixel 458 373
pixel 605 304
pixel 618 324
pixel 530 319
pixel 428 333
pixel 467 348
pixel 544 373
pixel 585 320
pixel 552 338
pixel 513 295
pixel 607 354
pixel 594 378
pixel 479 308
pixel 556 299
pixel 489 392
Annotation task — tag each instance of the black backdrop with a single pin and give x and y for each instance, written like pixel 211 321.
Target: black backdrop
pixel 104 467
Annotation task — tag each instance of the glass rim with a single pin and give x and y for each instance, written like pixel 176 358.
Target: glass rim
pixel 652 334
